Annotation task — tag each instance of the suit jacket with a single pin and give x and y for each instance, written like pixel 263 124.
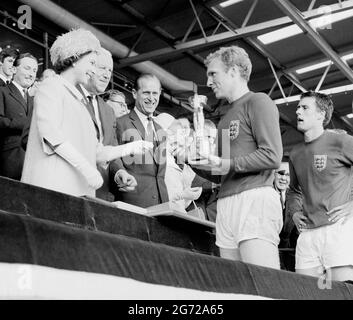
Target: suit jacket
pixel 2 83
pixel 108 121
pixel 15 115
pixel 148 169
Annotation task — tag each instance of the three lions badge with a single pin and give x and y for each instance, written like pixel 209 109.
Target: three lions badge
pixel 320 161
pixel 234 129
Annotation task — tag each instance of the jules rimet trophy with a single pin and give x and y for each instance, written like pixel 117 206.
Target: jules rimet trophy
pixel 200 147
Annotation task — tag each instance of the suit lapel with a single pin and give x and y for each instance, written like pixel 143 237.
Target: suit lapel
pixel 107 124
pixel 90 110
pixel 16 94
pixel 136 122
pixel 161 148
pixel 30 105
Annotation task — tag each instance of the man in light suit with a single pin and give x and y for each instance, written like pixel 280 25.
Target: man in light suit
pixel 7 58
pixel 149 170
pixel 101 113
pixel 15 113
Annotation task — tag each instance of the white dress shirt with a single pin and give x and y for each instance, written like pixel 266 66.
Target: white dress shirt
pixel 2 77
pixel 96 112
pixel 20 88
pixel 144 120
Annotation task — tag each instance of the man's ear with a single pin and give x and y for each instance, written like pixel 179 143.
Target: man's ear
pixel 134 93
pixel 322 115
pixel 14 69
pixel 234 71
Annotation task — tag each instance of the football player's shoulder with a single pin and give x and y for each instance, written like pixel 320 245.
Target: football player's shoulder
pixel 261 100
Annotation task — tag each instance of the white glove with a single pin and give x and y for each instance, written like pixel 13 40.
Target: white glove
pixel 109 153
pixel 125 181
pixel 136 147
pixel 191 193
pixel 72 156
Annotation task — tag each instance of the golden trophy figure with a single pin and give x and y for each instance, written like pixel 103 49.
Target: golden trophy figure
pixel 200 148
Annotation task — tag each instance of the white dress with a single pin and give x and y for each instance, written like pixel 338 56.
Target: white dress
pixel 59 116
pixel 176 180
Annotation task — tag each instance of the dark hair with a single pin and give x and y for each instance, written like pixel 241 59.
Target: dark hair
pixel 17 61
pixel 63 65
pixel 323 103
pixel 144 76
pixel 8 52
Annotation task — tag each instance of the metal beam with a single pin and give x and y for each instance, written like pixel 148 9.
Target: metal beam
pixel 250 12
pixel 343 120
pixel 319 59
pixel 200 43
pixel 276 77
pixel 198 19
pixel 231 35
pixel 117 25
pixel 319 41
pixel 262 50
pixel 318 87
pixel 154 28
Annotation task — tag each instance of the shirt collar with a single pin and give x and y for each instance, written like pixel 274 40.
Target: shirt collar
pixel 86 93
pixel 20 88
pixel 142 116
pixel 4 78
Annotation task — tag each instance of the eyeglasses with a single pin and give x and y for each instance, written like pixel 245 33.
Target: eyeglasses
pixel 283 173
pixel 119 102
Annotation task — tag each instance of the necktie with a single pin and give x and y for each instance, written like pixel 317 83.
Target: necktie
pixel 150 133
pixel 25 95
pixel 91 111
pixel 90 105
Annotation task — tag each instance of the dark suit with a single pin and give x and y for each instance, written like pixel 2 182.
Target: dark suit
pixel 148 170
pixel 15 114
pixel 2 83
pixel 108 121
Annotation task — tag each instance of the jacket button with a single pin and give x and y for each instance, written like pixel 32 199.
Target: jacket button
pixel 154 197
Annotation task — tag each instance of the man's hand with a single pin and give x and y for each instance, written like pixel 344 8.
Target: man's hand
pixel 344 212
pixel 216 165
pixel 299 220
pixel 135 148
pixel 125 181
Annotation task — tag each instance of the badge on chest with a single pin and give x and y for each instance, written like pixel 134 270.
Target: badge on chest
pixel 234 129
pixel 320 161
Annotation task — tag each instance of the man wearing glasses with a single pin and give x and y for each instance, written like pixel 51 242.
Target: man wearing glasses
pixel 289 233
pixel 116 100
pixel 281 182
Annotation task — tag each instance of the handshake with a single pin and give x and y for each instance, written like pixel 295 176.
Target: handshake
pixel 125 181
pixel 136 148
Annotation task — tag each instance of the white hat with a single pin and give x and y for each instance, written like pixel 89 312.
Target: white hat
pixel 73 44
